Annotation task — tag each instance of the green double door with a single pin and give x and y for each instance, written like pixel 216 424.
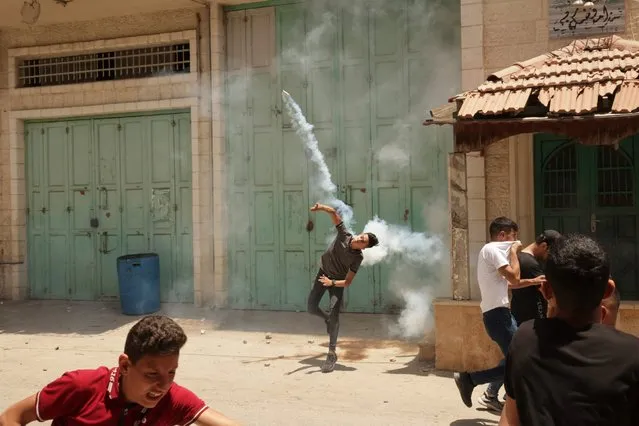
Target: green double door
pixel 592 190
pixel 102 188
pixel 360 80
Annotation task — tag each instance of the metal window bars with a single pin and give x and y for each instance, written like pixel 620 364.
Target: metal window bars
pixel 560 179
pixel 140 62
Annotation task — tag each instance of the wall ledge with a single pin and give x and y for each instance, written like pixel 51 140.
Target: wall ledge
pixel 453 302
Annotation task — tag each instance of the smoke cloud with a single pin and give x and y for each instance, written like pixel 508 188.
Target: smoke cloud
pixel 397 241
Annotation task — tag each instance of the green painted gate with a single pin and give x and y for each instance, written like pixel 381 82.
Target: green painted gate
pixel 592 190
pixel 102 188
pixel 361 82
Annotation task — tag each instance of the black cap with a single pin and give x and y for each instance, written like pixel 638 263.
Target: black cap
pixel 549 236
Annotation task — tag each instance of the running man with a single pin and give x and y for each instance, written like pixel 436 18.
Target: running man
pixel 339 264
pixel 139 391
pixel 528 303
pixel 497 271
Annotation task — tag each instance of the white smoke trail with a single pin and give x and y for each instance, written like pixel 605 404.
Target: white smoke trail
pixel 322 187
pixel 397 241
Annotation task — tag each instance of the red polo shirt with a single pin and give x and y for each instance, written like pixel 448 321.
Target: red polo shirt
pixel 92 397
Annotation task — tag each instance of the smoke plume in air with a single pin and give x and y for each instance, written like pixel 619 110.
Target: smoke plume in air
pixel 415 318
pixel 399 242
pixel 322 187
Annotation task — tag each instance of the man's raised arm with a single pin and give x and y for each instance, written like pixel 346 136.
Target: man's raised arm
pixel 335 217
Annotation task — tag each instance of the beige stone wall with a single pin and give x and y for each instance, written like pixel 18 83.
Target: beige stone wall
pixel 476 182
pixel 204 32
pixel 218 153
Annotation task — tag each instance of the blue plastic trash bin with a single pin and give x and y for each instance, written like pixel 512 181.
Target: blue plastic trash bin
pixel 139 282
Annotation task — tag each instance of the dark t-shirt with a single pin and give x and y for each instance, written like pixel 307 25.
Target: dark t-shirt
pixel 561 376
pixel 528 303
pixel 339 258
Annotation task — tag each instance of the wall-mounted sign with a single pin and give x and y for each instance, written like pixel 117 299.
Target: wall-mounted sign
pixel 598 17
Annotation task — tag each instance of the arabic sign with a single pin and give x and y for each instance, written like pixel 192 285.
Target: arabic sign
pixel 603 17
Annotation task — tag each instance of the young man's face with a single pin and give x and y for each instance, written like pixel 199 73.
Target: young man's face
pixel 149 379
pixel 507 235
pixel 359 242
pixel 543 251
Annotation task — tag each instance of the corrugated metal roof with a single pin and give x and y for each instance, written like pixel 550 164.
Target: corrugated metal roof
pixel 567 81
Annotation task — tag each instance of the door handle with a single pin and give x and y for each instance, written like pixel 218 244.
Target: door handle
pixel 104 241
pixel 348 193
pixel 593 222
pixel 104 206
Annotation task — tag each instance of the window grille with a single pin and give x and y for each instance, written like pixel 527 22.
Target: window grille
pixel 105 66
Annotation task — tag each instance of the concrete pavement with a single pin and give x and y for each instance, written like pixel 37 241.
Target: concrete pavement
pixel 262 368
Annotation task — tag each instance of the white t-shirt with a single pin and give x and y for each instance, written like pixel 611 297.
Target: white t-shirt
pixel 492 285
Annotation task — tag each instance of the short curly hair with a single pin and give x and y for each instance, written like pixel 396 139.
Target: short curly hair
pixel 154 335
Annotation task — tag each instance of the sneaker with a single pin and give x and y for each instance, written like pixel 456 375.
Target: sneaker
pixel 329 364
pixel 465 386
pixel 491 403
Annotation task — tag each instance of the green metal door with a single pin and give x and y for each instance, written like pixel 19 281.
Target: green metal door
pixel 356 156
pixel 592 190
pixel 102 188
pixel 108 205
pixel 81 193
pixel 266 197
pixel 359 80
pixel 300 228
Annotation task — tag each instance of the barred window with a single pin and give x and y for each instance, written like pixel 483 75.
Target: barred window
pixel 105 66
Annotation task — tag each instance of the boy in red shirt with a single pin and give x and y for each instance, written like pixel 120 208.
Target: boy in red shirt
pixel 140 391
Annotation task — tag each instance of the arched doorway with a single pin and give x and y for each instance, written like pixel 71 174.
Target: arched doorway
pixel 592 190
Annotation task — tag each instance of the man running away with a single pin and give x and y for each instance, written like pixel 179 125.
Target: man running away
pixel 527 302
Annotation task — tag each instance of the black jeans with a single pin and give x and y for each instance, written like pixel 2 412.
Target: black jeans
pixel 331 318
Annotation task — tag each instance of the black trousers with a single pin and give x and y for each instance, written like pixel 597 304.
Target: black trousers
pixel 331 318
